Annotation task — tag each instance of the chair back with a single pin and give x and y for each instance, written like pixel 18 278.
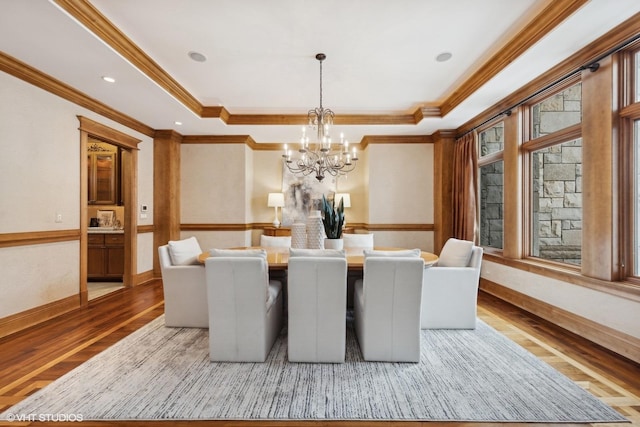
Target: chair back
pixel 237 293
pixel 317 300
pixel 275 241
pixel 392 292
pixel 364 241
pixel 237 286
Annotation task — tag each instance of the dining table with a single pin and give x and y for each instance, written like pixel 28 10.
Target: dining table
pixel 278 258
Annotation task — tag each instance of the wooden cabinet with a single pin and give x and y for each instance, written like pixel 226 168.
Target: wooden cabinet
pixel 277 231
pixel 105 258
pixel 103 174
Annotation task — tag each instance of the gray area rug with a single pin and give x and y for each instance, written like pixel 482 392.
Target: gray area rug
pixel 165 373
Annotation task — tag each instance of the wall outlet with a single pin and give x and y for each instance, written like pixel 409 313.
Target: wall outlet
pixel 58 217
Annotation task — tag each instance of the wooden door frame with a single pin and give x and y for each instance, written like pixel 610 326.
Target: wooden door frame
pixel 129 183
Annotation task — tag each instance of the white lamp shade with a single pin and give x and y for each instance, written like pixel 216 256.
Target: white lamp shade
pixel 346 197
pixel 276 200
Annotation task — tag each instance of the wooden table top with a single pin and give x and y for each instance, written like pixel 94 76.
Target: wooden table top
pixel 278 258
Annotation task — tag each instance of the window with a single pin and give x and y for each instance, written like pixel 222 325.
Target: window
pixel 556 194
pixel 636 71
pixel 491 183
pixel 630 165
pixel 555 177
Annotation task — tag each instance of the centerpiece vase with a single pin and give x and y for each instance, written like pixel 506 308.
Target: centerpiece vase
pixel 299 235
pixel 315 231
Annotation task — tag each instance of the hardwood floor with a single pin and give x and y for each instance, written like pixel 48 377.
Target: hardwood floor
pixel 31 359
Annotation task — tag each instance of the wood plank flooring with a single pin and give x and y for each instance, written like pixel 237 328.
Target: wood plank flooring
pixel 31 359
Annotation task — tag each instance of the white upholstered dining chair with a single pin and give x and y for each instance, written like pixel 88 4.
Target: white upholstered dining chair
pixel 450 287
pixel 387 307
pixel 275 241
pixel 359 240
pixel 317 301
pixel 245 307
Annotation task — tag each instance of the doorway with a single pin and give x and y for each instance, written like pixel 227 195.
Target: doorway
pixel 106 213
pixel 115 250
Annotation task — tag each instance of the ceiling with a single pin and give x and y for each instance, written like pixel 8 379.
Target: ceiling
pixel 260 77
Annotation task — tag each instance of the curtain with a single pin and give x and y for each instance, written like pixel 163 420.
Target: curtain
pixel 465 188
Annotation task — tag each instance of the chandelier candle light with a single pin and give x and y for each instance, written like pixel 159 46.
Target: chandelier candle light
pixel 323 156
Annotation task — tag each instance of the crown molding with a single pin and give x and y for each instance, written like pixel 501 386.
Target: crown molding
pixel 620 34
pixel 22 71
pixel 85 13
pixel 539 25
pixel 396 139
pixel 554 13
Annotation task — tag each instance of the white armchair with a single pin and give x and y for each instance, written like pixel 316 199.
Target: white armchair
pixel 185 293
pixel 450 293
pixel 317 300
pixel 245 308
pixel 387 308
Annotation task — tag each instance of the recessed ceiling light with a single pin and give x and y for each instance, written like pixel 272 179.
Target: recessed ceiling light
pixel 177 123
pixel 108 79
pixel 444 56
pixel 197 56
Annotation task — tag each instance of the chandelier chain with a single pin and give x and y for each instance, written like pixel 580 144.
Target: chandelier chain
pixel 321 84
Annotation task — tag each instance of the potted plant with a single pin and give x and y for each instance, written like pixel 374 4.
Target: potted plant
pixel 333 220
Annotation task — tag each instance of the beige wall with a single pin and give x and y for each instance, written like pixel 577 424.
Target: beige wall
pixel 213 184
pixel 267 178
pixel 40 164
pixel 400 183
pixel 400 191
pixel 392 184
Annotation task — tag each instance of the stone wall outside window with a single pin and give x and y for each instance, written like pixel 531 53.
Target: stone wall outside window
pixel 557 181
pixel 491 204
pixel 491 184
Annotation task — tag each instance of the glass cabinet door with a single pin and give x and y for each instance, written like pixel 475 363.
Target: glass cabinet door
pixel 103 178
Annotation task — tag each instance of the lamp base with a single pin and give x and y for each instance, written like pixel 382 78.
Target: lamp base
pixel 276 223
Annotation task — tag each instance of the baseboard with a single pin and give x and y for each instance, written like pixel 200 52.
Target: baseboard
pixel 612 339
pixel 19 321
pixel 144 277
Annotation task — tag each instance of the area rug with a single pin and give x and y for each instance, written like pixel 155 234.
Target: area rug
pixel 165 373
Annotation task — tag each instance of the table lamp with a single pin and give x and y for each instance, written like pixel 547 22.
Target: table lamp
pixel 276 200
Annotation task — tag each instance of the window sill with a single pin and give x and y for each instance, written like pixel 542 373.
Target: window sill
pixel 624 289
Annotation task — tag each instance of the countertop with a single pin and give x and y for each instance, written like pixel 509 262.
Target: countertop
pixel 104 230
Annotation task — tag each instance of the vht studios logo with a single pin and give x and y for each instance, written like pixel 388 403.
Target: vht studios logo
pixel 45 417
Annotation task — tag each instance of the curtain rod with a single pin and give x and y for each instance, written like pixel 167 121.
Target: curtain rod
pixel 593 66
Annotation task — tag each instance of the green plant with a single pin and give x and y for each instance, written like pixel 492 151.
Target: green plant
pixel 333 218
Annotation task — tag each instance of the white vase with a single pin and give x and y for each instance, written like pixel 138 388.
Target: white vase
pixel 334 244
pixel 299 235
pixel 315 231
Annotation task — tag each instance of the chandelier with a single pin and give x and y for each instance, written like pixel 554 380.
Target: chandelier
pixel 324 156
